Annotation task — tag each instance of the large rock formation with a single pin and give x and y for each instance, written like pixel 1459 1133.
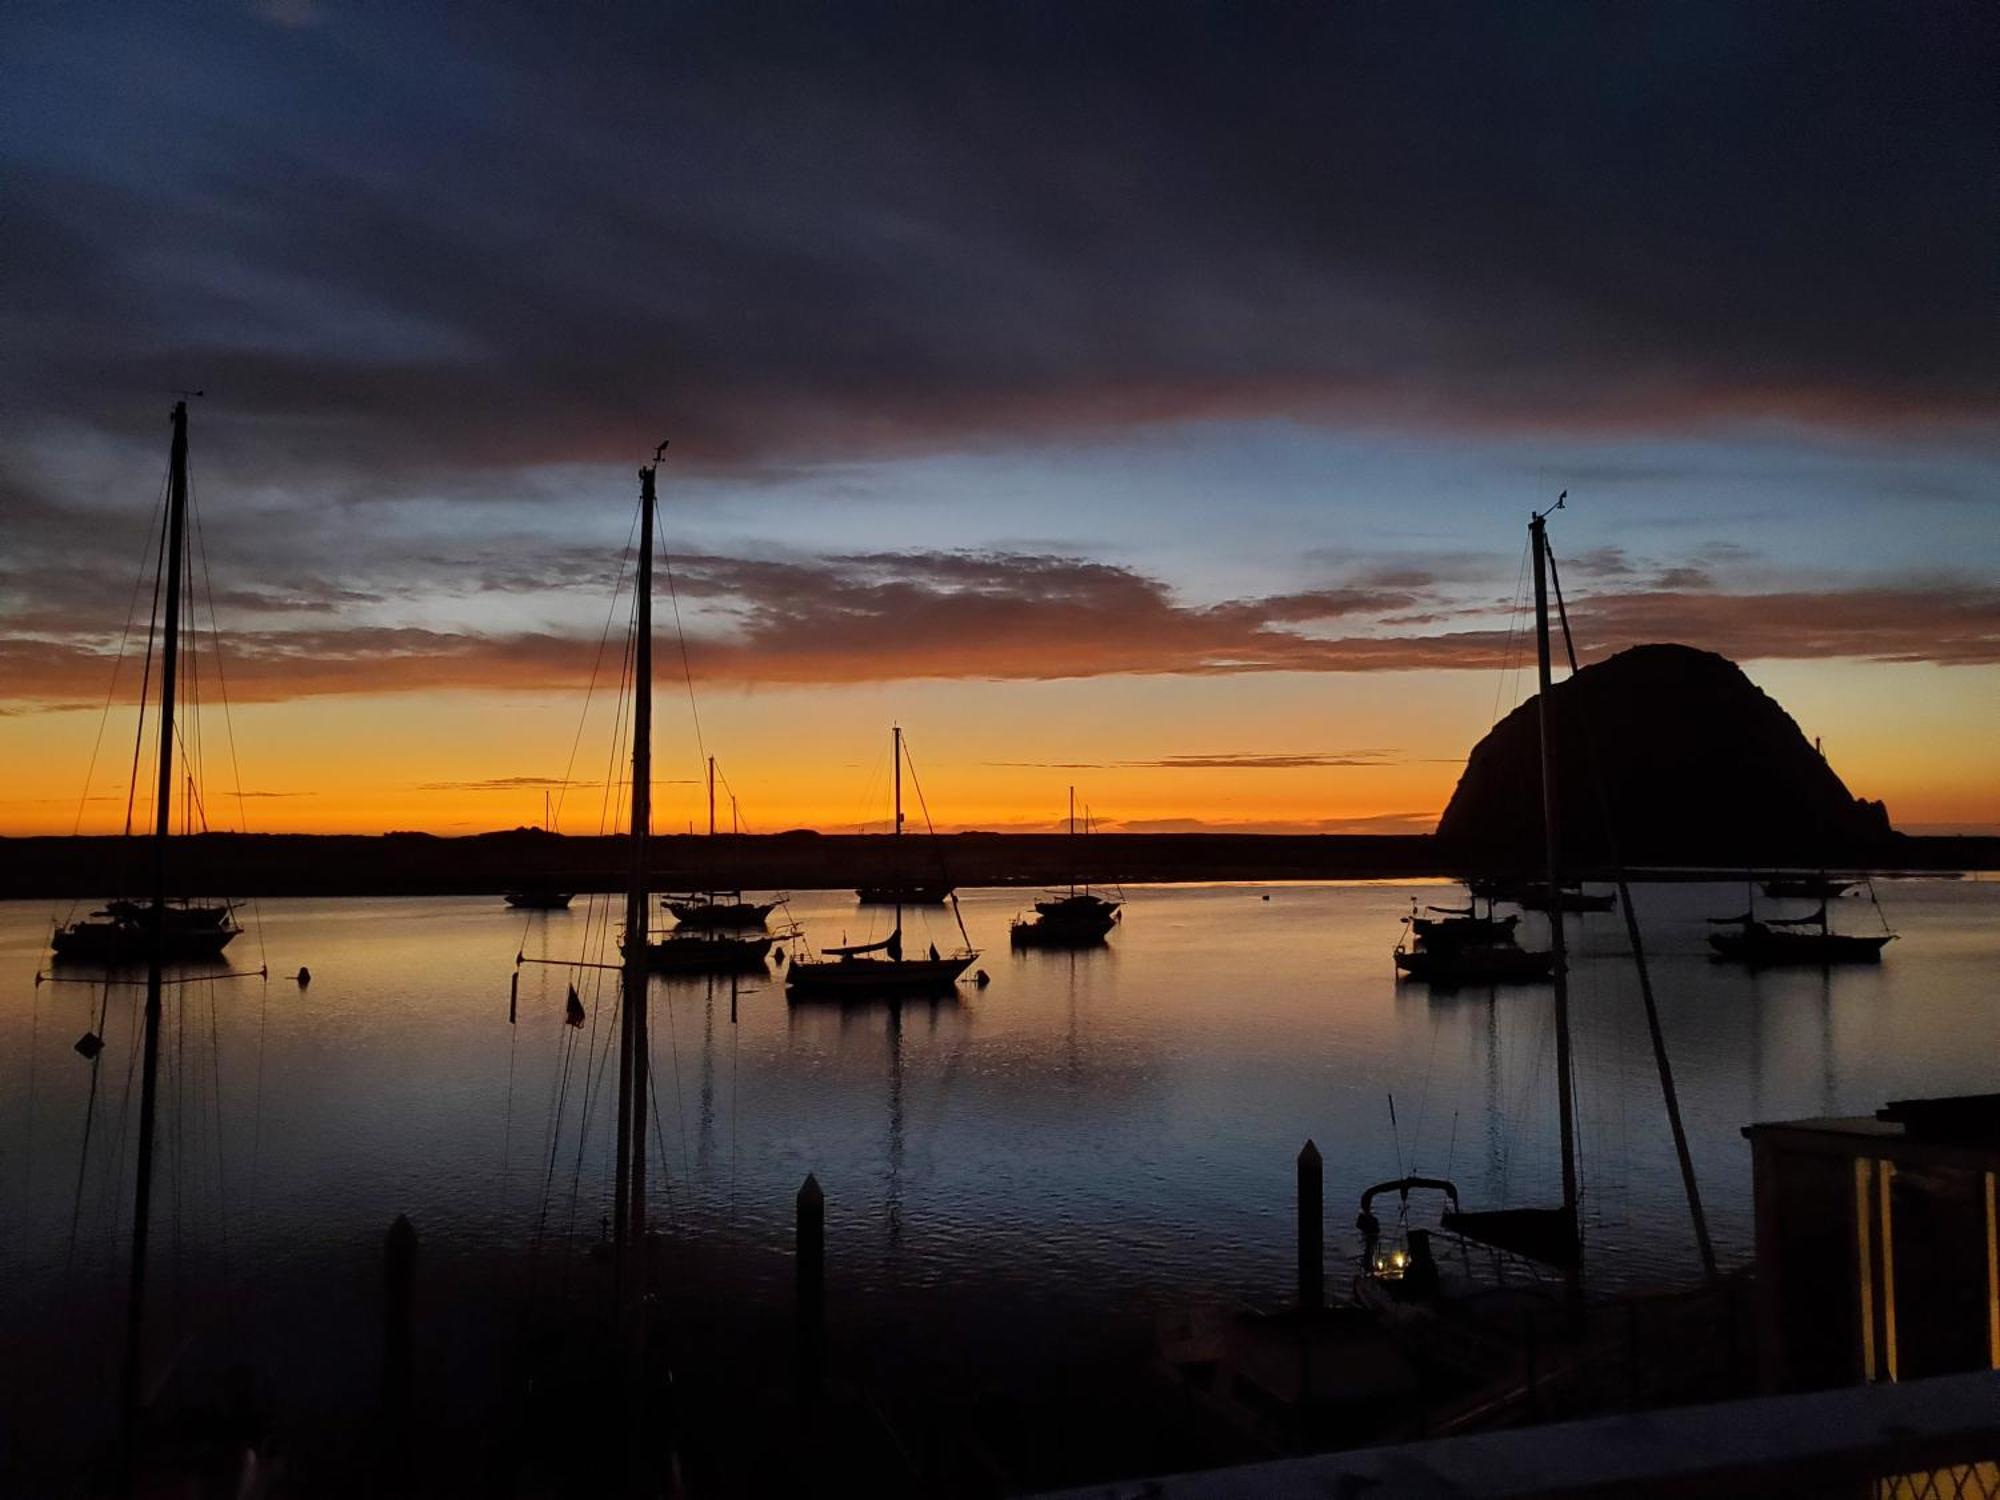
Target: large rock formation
pixel 1696 765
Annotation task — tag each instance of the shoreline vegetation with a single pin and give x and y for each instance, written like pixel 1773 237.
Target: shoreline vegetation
pixel 419 864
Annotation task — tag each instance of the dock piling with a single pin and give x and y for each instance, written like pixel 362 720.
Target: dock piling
pixel 1312 1229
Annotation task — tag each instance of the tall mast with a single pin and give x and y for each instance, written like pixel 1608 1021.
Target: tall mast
pixel 1072 841
pixel 711 796
pixel 1558 940
pixel 629 1190
pixel 163 802
pixel 896 761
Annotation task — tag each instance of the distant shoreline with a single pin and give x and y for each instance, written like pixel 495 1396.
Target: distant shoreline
pixel 476 864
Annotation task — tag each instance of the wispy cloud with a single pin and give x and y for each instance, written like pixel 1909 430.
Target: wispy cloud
pixel 987 616
pixel 1238 761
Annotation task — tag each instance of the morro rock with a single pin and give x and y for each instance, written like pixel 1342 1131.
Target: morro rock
pixel 1693 763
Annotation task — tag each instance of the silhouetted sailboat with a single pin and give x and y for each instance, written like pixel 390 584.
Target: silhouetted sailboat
pixel 539 895
pixel 715 909
pixel 1809 941
pixel 164 928
pixel 900 889
pixel 880 968
pixel 1075 920
pixel 1807 887
pixel 1407 1280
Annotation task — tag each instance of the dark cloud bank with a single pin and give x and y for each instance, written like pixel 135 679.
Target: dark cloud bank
pixel 413 251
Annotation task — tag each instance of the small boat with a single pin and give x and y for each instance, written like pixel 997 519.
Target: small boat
pixel 122 933
pixel 539 895
pixel 899 889
pixel 1076 920
pixel 1778 941
pixel 1458 926
pixel 713 910
pixel 527 898
pixel 1806 887
pixel 1460 947
pixel 856 971
pixel 879 969
pixel 1474 964
pixel 1533 895
pixel 913 893
pixel 1570 898
pixel 701 952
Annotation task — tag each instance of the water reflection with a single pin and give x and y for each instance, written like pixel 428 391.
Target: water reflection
pixel 1110 1123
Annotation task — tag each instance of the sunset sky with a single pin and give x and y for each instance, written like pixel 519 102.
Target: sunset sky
pixel 1150 397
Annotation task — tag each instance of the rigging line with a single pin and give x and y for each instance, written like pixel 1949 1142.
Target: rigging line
pixel 687 670
pixel 1513 630
pixel 146 677
pixel 111 690
pixel 1684 1159
pixel 596 666
pixel 931 828
pixel 593 1088
pixel 222 687
pixel 567 1047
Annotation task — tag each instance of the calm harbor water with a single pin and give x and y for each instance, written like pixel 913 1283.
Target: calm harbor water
pixel 1113 1129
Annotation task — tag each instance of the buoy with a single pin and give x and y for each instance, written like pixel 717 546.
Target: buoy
pixel 304 976
pixel 981 978
pixel 1267 896
pixel 89 1045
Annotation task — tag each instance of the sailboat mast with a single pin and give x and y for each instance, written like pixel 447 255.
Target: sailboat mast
pixel 1558 941
pixel 711 796
pixel 628 1212
pixel 142 1199
pixel 896 762
pixel 1072 841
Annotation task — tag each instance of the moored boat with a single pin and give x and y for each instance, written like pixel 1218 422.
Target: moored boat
pixel 1778 941
pixel 703 952
pixel 123 933
pixel 1077 919
pixel 718 910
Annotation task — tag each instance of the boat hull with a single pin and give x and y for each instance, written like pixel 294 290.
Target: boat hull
pixel 708 955
pixel 1449 967
pixel 130 943
pixel 1805 949
pixel 1047 932
pixel 903 895
pixel 539 900
pixel 712 916
pixel 863 977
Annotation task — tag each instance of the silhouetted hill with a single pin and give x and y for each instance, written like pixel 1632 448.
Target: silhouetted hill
pixel 1697 764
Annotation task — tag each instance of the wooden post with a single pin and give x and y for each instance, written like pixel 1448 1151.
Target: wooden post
pixel 811 1240
pixel 1312 1230
pixel 399 1285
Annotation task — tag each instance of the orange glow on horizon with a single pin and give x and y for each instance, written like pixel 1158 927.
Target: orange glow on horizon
pixel 988 755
